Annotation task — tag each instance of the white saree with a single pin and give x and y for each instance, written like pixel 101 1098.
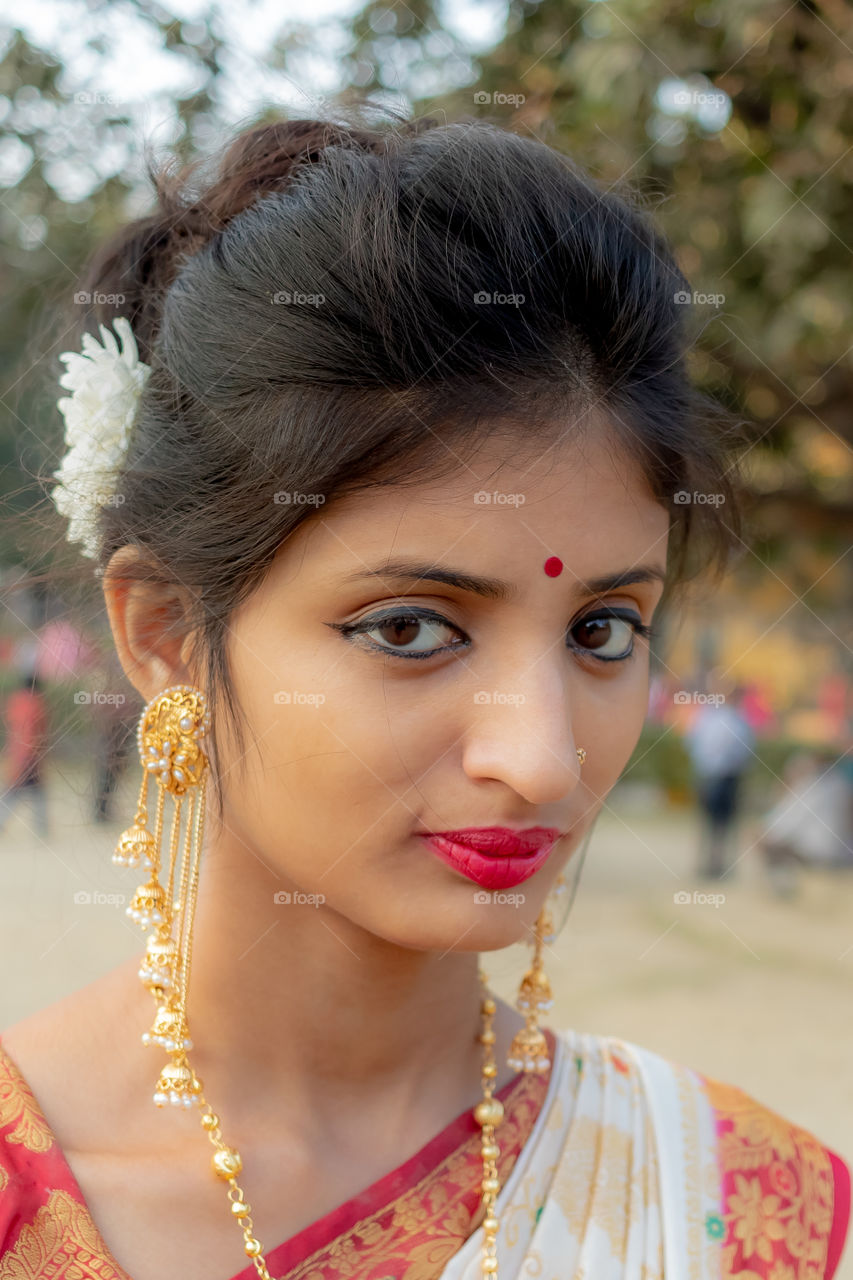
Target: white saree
pixel 620 1179
pixel 621 1166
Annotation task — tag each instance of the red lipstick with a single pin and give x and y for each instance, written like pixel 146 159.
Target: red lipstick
pixel 494 857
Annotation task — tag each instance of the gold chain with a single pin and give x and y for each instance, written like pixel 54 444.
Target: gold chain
pixel 227 1162
pixel 489 1113
pixel 179 1079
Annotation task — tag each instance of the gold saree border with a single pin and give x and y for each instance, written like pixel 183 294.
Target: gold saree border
pixel 19 1111
pixel 61 1242
pixel 777 1191
pixel 431 1209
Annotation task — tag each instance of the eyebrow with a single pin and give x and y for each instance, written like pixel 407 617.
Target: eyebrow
pixel 497 588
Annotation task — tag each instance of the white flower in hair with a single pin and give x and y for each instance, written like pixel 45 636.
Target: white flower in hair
pixel 106 383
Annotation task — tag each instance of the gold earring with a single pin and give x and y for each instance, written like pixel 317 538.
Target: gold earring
pixel 169 736
pixel 529 1048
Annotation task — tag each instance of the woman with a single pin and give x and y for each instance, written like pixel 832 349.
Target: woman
pixel 385 487
pixel 27 729
pixel 810 823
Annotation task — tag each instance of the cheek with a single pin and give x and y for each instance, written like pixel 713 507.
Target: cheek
pixel 323 777
pixel 610 727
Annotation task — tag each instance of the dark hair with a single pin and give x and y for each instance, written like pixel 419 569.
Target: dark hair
pixel 391 365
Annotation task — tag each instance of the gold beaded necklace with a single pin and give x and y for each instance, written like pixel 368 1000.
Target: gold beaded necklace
pixel 489 1112
pixel 170 734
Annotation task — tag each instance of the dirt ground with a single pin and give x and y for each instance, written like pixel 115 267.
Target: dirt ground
pixel 754 990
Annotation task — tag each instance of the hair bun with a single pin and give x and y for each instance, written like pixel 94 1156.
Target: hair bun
pixel 135 268
pixel 261 160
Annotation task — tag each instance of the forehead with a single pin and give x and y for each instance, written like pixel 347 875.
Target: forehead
pixel 505 510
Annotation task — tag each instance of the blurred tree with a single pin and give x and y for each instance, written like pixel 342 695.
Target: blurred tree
pixel 65 161
pixel 731 118
pixel 733 121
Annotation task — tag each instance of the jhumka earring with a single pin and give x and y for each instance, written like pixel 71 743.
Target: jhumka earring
pixel 528 1052
pixel 169 737
pixel 170 733
pixel 529 1048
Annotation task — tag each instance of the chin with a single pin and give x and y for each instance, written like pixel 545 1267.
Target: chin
pixel 467 920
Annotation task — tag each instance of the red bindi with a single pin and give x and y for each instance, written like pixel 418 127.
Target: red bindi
pixel 553 566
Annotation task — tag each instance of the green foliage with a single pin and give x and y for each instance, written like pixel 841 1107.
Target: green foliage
pixel 756 202
pixel 69 160
pixel 751 179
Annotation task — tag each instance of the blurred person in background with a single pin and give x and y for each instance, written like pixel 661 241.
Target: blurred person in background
pixel 26 717
pixel 394 1117
pixel 756 704
pixel 812 822
pixel 719 741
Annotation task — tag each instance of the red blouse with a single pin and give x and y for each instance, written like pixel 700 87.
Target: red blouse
pixel 785 1199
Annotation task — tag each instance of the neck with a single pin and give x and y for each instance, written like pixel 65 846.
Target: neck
pixel 292 1010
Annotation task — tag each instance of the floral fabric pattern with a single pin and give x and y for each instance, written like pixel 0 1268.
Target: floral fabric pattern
pixel 619 1165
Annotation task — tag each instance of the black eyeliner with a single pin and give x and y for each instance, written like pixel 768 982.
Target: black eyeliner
pixel 414 615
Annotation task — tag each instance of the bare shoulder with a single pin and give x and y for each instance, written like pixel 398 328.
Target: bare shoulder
pixel 73 1094
pixel 70 1052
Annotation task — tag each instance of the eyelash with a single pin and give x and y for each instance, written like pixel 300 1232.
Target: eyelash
pixel 371 623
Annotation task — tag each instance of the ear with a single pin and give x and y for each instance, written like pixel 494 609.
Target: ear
pixel 151 626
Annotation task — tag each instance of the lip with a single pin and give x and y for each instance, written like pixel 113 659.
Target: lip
pixel 494 857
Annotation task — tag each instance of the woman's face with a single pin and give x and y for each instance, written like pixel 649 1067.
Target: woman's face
pixel 379 706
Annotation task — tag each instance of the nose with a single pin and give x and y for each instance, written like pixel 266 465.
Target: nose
pixel 521 734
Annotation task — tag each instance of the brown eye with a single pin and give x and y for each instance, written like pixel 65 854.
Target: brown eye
pixel 407 635
pixel 607 636
pixel 414 634
pixel 400 631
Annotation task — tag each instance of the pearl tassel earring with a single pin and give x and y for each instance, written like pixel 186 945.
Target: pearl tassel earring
pixel 169 736
pixel 529 1048
pixel 170 732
